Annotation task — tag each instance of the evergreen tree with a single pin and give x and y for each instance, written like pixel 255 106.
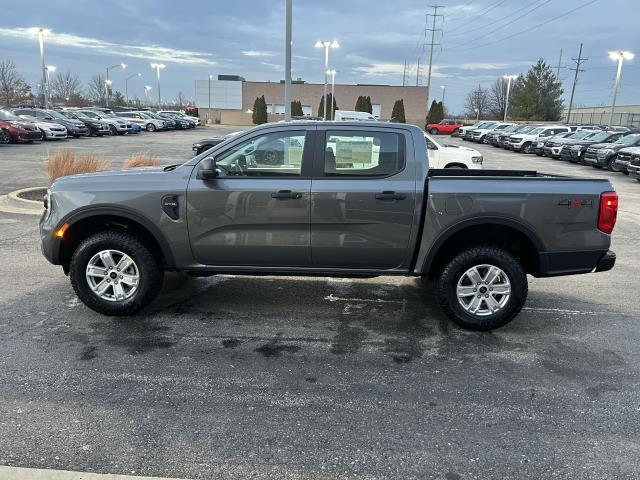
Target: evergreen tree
pixel 537 95
pixel 259 115
pixel 296 108
pixel 368 106
pixel 331 112
pixel 432 114
pixel 397 114
pixel 359 104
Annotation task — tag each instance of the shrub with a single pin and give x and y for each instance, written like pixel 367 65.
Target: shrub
pixel 397 114
pixel 141 160
pixel 63 163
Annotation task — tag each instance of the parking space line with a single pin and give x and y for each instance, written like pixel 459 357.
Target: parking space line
pixel 18 473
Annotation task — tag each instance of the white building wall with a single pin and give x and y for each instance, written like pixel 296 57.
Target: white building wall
pixel 225 94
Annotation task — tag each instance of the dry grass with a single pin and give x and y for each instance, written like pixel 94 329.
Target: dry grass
pixel 64 162
pixel 141 160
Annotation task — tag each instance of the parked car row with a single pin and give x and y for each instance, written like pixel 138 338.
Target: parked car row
pixel 616 149
pixel 29 124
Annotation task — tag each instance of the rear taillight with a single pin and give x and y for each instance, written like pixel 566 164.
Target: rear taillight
pixel 608 211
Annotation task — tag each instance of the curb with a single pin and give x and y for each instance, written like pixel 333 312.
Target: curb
pixel 12 203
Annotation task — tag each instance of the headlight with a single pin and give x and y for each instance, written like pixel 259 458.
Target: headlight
pixel 198 145
pixel 477 160
pixel 606 152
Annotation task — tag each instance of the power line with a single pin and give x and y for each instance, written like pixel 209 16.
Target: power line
pixel 480 14
pixel 538 25
pixel 482 27
pixel 503 26
pixel 432 44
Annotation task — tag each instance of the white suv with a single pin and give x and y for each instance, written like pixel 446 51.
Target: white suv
pixel 480 134
pixel 452 156
pixel 526 142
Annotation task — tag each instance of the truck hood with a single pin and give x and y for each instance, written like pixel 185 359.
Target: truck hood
pixel 460 148
pixel 601 146
pixel 115 176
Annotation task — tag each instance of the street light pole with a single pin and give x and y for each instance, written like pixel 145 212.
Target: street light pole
pixel 158 67
pixel 41 33
pixel 209 111
pixel 620 57
pixel 333 86
pixel 287 60
pixel 121 65
pixel 48 69
pixel 126 85
pixel 444 88
pixel 506 103
pixel 146 94
pixel 326 45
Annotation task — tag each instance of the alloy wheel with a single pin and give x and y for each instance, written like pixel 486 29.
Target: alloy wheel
pixel 112 275
pixel 483 290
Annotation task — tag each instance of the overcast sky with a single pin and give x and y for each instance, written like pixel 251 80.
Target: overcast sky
pixel 480 41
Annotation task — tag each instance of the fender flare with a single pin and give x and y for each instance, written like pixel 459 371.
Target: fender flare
pixel 496 220
pixel 124 212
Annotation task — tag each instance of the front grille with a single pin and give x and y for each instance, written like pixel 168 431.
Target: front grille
pixel 31 135
pixel 591 150
pixel 624 156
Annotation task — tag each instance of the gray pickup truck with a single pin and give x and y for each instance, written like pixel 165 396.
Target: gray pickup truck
pixel 343 200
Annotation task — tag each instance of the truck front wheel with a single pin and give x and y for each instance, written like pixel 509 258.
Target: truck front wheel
pixel 114 273
pixel 482 288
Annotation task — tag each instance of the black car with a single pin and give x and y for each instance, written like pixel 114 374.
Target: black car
pixel 604 154
pixel 503 137
pixel 95 127
pixel 553 147
pixel 75 128
pixel 574 152
pixel 625 157
pixel 181 122
pixel 539 148
pixel 206 144
pixel 493 138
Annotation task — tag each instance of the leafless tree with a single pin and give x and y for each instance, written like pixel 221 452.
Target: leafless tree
pixel 180 99
pixel 498 98
pixel 476 104
pixel 13 88
pixel 64 85
pixel 97 90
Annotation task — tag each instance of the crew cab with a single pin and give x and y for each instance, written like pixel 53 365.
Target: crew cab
pixel 351 200
pixel 444 127
pixel 604 154
pixel 442 155
pixel 574 153
pixel 525 142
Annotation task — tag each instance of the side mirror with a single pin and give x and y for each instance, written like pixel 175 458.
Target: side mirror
pixel 48 118
pixel 208 169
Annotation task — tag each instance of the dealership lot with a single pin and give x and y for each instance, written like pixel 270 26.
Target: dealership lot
pixel 281 377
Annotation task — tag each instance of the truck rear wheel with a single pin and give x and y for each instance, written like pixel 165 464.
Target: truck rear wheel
pixel 482 288
pixel 114 273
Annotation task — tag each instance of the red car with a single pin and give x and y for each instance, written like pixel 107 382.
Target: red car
pixel 13 129
pixel 445 126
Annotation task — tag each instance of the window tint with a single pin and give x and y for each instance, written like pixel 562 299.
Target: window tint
pixel 272 154
pixel 362 153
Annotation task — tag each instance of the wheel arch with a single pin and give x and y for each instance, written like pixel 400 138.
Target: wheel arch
pixel 456 165
pixel 506 233
pixel 93 220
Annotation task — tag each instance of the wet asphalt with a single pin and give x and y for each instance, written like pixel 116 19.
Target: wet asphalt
pixel 280 377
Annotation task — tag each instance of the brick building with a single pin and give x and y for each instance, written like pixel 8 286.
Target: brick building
pixel 231 99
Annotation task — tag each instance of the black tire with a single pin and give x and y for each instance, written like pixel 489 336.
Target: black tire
pixel 151 274
pixel 151 127
pixel 447 283
pixel 113 130
pixel 433 131
pixel 4 137
pixel 611 165
pixel 526 148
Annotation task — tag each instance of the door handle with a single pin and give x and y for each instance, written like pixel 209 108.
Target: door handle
pixel 390 196
pixel 286 195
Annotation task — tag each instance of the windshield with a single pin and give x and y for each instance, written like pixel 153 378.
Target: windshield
pixel 525 129
pixel 30 118
pixel 536 130
pixel 600 136
pixel 581 134
pixel 502 127
pixel 628 139
pixel 511 128
pixel 54 114
pixel 7 115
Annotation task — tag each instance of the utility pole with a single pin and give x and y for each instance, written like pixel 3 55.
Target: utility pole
pixel 432 44
pixel 404 74
pixel 578 62
pixel 418 73
pixel 559 65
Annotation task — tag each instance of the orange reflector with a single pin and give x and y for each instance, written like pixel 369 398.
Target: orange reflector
pixel 60 232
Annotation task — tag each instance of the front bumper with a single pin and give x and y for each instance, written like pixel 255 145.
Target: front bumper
pixel 622 165
pixel 634 171
pixel 594 159
pixel 52 135
pixel 553 152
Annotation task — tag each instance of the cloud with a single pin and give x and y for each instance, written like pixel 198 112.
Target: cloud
pixel 147 52
pixel 257 53
pixel 394 69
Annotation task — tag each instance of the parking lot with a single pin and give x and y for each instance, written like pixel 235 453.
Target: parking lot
pixel 283 377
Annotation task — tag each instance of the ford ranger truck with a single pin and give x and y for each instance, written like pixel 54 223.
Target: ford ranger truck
pixel 349 200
